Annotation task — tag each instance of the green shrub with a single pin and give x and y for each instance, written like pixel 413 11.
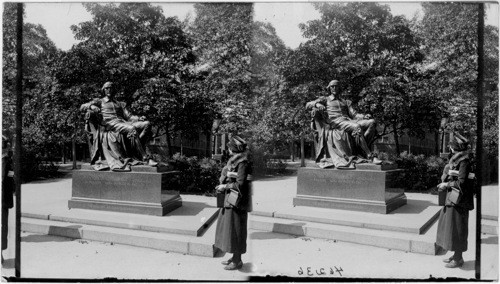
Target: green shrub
pixel 198 176
pixel 275 166
pixel 34 167
pixel 420 173
pixel 267 164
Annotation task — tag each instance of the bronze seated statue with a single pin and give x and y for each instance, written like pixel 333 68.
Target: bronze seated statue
pixel 118 137
pixel 342 136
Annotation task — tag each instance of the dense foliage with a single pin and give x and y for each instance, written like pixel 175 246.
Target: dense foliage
pixel 198 176
pixel 420 173
pixel 449 38
pixel 222 34
pixel 409 74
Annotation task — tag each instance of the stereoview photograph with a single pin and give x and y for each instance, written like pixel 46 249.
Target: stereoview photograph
pixel 240 141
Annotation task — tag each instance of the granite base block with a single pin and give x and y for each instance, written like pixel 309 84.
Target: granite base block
pixel 138 192
pixel 373 190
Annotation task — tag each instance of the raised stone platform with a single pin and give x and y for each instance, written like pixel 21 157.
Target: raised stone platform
pixel 410 228
pixel 188 230
pixel 144 190
pixel 368 188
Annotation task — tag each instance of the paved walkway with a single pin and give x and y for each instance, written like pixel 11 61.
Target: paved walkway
pixel 269 253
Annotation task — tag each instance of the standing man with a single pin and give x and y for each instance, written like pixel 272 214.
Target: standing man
pixel 342 116
pixel 116 117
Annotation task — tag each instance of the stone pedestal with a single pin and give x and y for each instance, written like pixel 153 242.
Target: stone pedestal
pixel 368 188
pixel 144 190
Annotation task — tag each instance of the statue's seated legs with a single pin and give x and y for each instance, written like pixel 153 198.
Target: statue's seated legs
pixel 141 129
pixel 144 129
pixel 369 129
pixel 363 132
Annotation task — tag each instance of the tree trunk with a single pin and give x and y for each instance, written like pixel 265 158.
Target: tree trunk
pixel 182 150
pixel 396 140
pixel 169 143
pixel 436 144
pixel 73 148
pixel 63 153
pixel 409 144
pixel 208 138
pixel 302 154
pixel 292 150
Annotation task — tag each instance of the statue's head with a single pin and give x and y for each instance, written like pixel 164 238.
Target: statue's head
pixel 333 87
pixel 237 144
pixel 108 89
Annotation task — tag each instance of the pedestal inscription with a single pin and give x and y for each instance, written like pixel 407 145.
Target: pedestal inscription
pixel 138 192
pixel 359 190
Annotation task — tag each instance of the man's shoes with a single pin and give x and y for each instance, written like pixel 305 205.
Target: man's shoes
pixel 100 167
pixel 376 161
pixel 124 169
pixel 234 266
pixel 152 163
pixel 448 260
pixel 135 163
pixel 227 262
pixel 455 263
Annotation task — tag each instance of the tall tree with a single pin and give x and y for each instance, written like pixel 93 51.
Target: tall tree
pixel 377 58
pixel 38 53
pixel 223 35
pixel 148 55
pixel 269 117
pixel 449 36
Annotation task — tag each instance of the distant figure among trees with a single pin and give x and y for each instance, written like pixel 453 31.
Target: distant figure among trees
pixel 343 136
pixel 118 136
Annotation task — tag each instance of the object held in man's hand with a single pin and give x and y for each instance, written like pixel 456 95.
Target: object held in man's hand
pixel 232 174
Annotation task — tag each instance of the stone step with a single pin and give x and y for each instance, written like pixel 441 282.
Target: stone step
pixel 201 246
pixel 489 227
pixel 192 219
pixel 415 217
pixel 423 244
pixel 489 217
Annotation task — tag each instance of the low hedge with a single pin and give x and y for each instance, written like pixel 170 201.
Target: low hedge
pixel 197 175
pixel 421 173
pixel 267 164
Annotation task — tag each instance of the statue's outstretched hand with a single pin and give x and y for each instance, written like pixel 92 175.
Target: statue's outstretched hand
pixel 95 108
pixel 320 106
pixel 368 116
pixel 142 118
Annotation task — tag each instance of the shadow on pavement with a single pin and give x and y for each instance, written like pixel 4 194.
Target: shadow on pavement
pixel 413 207
pixel 44 238
pixel 189 208
pixel 269 236
pixel 8 263
pixel 247 268
pixel 273 177
pixel 492 240
pixel 468 265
